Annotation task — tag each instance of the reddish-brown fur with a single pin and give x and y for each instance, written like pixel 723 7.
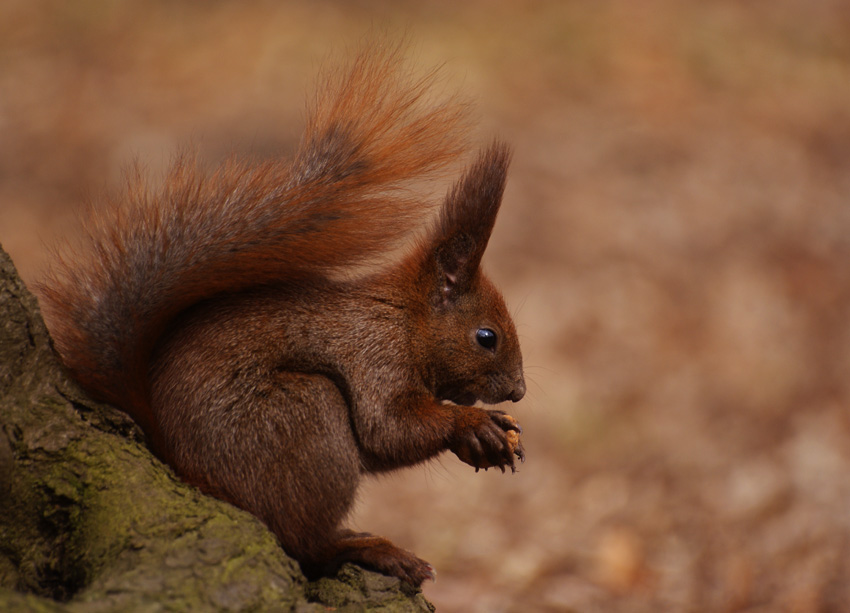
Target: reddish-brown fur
pixel 211 311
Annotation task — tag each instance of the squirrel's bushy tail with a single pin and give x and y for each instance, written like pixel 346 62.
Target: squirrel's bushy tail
pixel 370 132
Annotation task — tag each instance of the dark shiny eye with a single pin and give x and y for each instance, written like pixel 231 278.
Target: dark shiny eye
pixel 486 338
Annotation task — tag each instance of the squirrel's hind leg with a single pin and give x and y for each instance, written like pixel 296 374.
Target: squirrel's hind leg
pixel 322 462
pixel 307 472
pixel 278 445
pixel 281 447
pixel 325 456
pixel 379 554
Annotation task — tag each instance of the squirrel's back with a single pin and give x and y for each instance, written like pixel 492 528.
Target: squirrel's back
pixel 152 253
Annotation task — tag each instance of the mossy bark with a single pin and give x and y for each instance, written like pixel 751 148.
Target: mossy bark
pixel 91 521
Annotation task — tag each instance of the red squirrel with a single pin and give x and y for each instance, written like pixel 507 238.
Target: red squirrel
pixel 224 312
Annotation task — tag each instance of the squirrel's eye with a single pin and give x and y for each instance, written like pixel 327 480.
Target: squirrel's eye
pixel 486 338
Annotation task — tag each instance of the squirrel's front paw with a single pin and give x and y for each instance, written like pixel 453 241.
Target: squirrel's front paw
pixel 488 438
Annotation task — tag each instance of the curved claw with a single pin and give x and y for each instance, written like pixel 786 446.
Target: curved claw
pixel 430 573
pixel 520 452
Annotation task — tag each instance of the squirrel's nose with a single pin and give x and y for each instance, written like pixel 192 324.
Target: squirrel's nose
pixel 519 390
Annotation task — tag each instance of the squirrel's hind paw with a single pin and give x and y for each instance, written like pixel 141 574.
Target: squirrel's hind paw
pixel 379 554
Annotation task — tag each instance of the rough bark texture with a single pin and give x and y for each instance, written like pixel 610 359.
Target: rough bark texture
pixel 91 521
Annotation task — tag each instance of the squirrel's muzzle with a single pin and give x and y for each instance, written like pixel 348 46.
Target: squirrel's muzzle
pixel 519 390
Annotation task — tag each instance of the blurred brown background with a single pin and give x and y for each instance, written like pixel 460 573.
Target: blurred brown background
pixel 675 241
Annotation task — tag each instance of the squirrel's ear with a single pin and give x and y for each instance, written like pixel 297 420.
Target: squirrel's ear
pixel 466 221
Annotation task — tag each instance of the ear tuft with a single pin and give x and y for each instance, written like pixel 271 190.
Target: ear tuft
pixel 473 203
pixel 467 219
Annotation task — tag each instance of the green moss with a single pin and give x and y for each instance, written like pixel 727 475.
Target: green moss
pixel 355 589
pixel 28 603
